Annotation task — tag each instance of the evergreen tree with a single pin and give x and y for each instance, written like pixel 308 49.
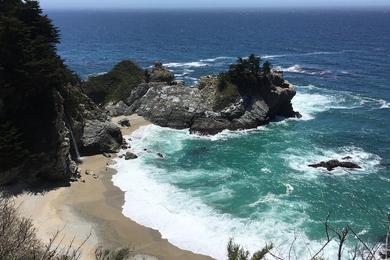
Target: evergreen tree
pixel 30 73
pixel 248 75
pixel 28 57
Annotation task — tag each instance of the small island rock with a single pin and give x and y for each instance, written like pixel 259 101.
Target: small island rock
pixel 331 164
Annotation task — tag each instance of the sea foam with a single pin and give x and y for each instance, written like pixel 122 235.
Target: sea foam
pixel 188 222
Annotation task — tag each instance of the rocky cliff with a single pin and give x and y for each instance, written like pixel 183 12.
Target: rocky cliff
pixel 180 107
pixel 51 130
pixel 45 118
pixel 208 108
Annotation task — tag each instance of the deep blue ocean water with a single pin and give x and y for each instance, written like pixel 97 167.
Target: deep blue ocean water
pixel 254 185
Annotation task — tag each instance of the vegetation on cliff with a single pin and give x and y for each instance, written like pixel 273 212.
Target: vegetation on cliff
pixel 41 104
pixel 30 74
pixel 115 85
pixel 248 75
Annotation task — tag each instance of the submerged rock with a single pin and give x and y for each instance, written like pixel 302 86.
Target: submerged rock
pixel 130 156
pixel 331 164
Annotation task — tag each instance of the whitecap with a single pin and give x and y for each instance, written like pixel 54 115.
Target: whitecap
pixel 309 71
pixel 310 104
pixel 305 54
pixel 153 200
pixel 184 219
pixel 194 64
pixel 218 58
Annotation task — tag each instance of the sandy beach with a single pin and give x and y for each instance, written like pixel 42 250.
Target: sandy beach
pixel 92 207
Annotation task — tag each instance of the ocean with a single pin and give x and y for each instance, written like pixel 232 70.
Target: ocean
pixel 254 185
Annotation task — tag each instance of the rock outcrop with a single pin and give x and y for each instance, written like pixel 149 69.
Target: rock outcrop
pixel 199 107
pixel 332 164
pixel 44 115
pixel 65 124
pixel 92 128
pixel 160 74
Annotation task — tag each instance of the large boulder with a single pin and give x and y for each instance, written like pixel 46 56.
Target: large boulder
pixel 100 137
pixel 130 156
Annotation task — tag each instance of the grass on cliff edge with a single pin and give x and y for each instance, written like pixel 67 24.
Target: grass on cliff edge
pixel 115 85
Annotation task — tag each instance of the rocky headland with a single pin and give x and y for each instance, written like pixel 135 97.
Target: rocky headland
pixel 235 100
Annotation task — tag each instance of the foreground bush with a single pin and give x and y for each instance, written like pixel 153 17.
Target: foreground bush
pixel 18 240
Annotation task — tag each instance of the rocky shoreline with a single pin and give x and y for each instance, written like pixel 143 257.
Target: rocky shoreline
pixel 170 103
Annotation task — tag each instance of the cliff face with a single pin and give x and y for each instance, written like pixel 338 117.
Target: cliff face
pixel 44 116
pixel 199 108
pixel 216 103
pixel 45 124
pixel 42 144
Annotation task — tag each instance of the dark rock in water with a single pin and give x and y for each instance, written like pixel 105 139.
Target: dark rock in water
pixel 385 165
pixel 330 165
pixel 160 74
pixel 347 158
pixel 125 122
pixel 125 145
pixel 130 156
pixel 200 150
pixel 298 115
pixel 160 155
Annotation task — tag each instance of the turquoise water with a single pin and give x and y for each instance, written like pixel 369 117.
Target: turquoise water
pixel 254 185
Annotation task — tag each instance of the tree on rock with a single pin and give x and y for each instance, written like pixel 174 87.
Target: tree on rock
pixel 31 74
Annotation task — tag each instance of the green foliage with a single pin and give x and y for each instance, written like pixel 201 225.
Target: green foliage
pixel 28 58
pixel 30 73
pixel 12 150
pixel 18 239
pixel 115 85
pixel 248 75
pixel 227 92
pixel 267 67
pixel 237 252
pixel 263 252
pixel 112 254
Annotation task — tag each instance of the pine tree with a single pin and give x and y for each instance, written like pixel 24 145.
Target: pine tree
pixel 30 73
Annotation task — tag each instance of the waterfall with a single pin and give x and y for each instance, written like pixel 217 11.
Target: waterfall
pixel 76 149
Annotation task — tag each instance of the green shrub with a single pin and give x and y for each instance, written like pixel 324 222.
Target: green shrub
pixel 115 85
pixel 237 252
pixel 248 75
pixel 12 148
